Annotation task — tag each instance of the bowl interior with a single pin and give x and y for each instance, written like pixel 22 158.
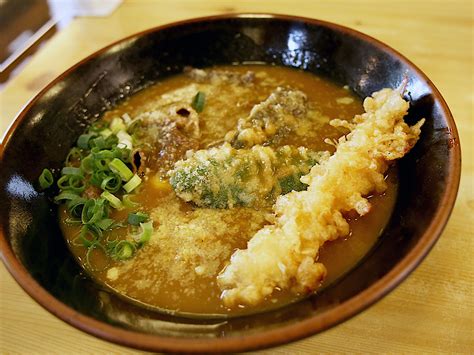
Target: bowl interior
pixel 50 125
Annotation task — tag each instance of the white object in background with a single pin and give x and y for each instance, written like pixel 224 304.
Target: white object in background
pixel 64 10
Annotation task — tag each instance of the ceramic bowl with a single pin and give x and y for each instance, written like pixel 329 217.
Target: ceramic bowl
pixel 36 254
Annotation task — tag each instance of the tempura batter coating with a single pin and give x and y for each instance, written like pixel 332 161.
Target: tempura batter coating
pixel 285 254
pixel 282 110
pixel 224 177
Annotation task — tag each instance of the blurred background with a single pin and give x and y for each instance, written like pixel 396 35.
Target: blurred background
pixel 27 24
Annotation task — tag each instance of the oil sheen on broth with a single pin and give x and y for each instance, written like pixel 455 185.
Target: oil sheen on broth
pixel 176 270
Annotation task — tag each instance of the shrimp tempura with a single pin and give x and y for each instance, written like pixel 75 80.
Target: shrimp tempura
pixel 284 255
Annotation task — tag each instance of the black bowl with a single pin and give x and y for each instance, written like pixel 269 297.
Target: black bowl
pixel 35 252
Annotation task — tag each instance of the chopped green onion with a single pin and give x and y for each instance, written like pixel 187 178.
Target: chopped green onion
pixel 124 140
pixel 83 140
pixel 105 223
pixel 117 125
pixel 66 195
pixel 132 184
pixel 101 158
pixel 86 231
pixel 105 132
pixel 199 101
pixel 126 118
pixel 101 164
pixel 94 229
pixel 98 176
pixel 123 250
pixel 74 155
pixel 147 231
pixel 102 154
pixel 69 170
pixel 72 221
pixel 87 164
pixel 71 182
pixel 111 141
pixel 46 179
pixel 97 126
pixel 122 153
pixel 98 142
pixel 94 210
pixel 137 218
pixel 111 183
pixel 90 249
pixel 119 167
pixel 75 206
pixel 127 202
pixel 133 125
pixel 114 201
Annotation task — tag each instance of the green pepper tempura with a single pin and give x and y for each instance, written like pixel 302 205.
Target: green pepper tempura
pixel 224 177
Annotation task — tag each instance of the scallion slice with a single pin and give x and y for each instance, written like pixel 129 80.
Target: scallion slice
pixel 119 167
pixel 95 230
pixel 98 177
pixel 132 184
pixel 90 249
pixel 72 221
pixel 117 125
pixel 65 196
pixel 83 140
pixel 122 153
pixel 111 183
pixel 101 164
pixel 69 170
pixel 127 202
pixel 133 125
pixel 87 236
pixel 46 179
pixel 136 218
pixel 199 101
pixel 75 155
pixel 123 250
pixel 87 164
pixel 126 118
pixel 105 132
pixel 98 142
pixel 75 206
pixel 124 140
pixel 94 210
pixel 111 141
pixel 98 126
pixel 71 182
pixel 147 231
pixel 114 201
pixel 103 154
pixel 105 223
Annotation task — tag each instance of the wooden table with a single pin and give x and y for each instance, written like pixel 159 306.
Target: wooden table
pixel 432 311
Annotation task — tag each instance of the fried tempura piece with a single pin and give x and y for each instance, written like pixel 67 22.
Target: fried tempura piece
pixel 285 254
pixel 224 177
pixel 281 110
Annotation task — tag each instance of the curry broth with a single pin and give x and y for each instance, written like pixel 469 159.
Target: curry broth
pixel 176 270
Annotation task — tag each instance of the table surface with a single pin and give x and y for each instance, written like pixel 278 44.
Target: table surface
pixel 432 311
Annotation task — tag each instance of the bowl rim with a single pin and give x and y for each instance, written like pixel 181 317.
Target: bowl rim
pixel 266 338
